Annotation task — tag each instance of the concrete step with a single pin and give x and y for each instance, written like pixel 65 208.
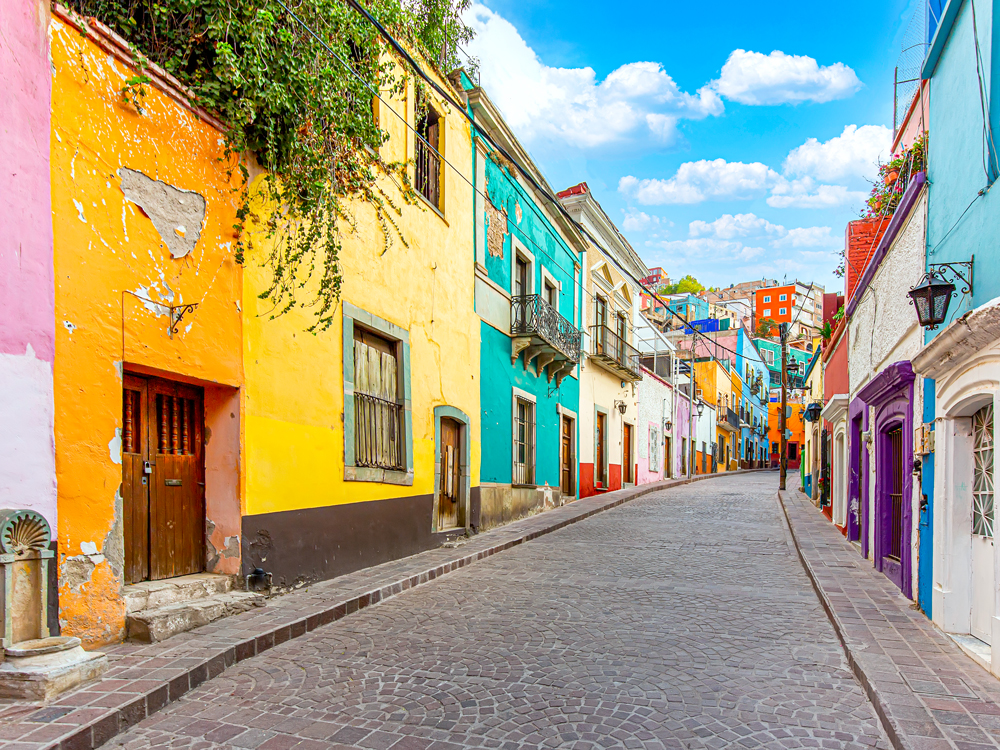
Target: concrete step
pixel 158 623
pixel 154 594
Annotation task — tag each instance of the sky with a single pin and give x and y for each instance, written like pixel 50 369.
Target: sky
pixel 727 143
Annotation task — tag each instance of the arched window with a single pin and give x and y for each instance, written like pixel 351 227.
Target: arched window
pixel 982 486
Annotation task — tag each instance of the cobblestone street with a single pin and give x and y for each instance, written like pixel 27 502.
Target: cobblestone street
pixel 680 620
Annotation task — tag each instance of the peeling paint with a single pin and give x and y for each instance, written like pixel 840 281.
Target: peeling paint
pixel 115 446
pixel 88 548
pixel 69 326
pixel 79 208
pixel 170 209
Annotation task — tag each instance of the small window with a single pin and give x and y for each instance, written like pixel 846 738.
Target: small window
pixel 551 294
pixel 783 298
pixel 783 311
pixel 767 298
pixel 524 442
pixel 428 156
pixel 378 415
pixel 520 277
pixel 767 312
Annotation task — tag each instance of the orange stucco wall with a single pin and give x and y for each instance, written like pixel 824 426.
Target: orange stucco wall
pixel 105 245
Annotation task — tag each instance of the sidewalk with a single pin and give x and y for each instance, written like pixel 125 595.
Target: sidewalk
pixel 144 678
pixel 928 694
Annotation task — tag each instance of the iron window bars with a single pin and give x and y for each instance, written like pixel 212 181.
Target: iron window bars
pixel 611 347
pixel 524 443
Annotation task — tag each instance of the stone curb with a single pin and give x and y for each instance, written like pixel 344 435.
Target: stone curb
pixel 100 727
pixel 891 727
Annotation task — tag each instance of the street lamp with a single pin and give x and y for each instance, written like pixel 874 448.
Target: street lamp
pixel 622 407
pixel 667 424
pixel 813 411
pixel 931 297
pixel 701 408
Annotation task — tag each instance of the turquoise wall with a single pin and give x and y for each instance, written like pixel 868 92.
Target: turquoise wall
pixel 498 376
pixel 955 160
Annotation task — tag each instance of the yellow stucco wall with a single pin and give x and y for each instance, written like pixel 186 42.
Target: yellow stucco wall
pixel 104 245
pixel 294 379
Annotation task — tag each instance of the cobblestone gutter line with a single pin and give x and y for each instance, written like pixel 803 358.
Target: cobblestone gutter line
pixel 145 678
pixel 926 692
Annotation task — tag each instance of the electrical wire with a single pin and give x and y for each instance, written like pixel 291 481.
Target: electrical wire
pixel 398 48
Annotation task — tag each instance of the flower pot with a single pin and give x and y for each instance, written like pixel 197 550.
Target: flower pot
pixel 891 176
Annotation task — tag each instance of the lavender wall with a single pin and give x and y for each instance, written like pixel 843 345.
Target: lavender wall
pixel 27 334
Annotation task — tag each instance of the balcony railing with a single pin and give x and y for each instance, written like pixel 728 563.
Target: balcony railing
pixel 729 421
pixel 543 334
pixel 614 353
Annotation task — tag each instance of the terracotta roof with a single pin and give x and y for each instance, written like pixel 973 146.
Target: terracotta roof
pixel 575 190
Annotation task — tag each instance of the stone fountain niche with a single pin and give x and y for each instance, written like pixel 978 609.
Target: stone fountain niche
pixel 36 666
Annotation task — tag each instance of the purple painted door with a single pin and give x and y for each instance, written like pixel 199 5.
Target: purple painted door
pixel 891 507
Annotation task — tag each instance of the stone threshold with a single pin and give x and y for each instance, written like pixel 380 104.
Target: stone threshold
pixel 143 678
pixel 927 692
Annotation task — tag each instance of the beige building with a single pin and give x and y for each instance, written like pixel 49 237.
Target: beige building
pixel 610 368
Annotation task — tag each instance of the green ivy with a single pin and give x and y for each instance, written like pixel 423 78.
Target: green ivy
pixel 307 119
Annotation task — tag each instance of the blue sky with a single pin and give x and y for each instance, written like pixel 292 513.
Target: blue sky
pixel 726 142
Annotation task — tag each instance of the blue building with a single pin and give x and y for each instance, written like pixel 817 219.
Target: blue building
pixel 756 379
pixel 690 307
pixel 528 294
pixel 960 360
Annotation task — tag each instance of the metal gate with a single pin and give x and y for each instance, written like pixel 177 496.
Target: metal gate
pixel 896 494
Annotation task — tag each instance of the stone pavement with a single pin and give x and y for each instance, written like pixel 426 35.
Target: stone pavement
pixel 680 620
pixel 145 678
pixel 928 693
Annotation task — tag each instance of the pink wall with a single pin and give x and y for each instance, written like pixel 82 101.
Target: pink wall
pixel 27 309
pixel 835 373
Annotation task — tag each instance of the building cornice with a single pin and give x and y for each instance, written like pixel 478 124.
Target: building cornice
pixel 960 341
pixel 887 383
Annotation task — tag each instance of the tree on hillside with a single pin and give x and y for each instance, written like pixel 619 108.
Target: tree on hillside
pixel 766 328
pixel 688 285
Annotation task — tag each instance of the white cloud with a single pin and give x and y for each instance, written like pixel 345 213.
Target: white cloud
pixel 639 221
pixel 805 193
pixel 728 227
pixel 569 105
pixel 710 248
pixel 854 153
pixel 697 181
pixel 755 78
pixel 808 237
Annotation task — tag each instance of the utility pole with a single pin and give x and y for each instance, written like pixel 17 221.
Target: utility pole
pixel 783 333
pixel 691 440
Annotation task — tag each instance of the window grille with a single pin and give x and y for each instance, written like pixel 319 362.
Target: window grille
pixel 428 157
pixel 524 442
pixel 982 481
pixel 378 417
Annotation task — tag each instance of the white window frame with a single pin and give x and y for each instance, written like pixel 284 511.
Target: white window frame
pixel 782 311
pixel 529 257
pixel 767 312
pixel 516 395
pixel 782 298
pixel 767 299
pixel 548 277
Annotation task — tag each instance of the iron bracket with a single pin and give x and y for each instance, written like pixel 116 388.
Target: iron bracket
pixel 177 313
pixel 965 278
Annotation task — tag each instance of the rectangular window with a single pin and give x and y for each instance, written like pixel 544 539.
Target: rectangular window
pixel 551 294
pixel 767 298
pixel 783 311
pixel 783 298
pixel 524 441
pixel 428 155
pixel 378 415
pixel 767 312
pixel 378 433
pixel 520 277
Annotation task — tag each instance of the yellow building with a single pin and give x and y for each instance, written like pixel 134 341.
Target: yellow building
pixel 194 433
pixel 715 381
pixel 363 442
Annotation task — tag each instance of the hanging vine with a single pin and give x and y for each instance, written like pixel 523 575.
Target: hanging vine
pixel 285 97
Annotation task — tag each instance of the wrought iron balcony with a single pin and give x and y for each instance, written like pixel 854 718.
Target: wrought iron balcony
pixel 731 423
pixel 613 353
pixel 545 336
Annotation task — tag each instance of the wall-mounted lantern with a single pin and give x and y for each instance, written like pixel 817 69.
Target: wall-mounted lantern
pixel 933 294
pixel 813 411
pixel 701 408
pixel 621 406
pixel 667 425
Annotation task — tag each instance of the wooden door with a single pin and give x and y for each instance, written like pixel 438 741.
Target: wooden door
pixel 599 454
pixel 668 471
pixel 568 462
pixel 627 455
pixel 163 479
pixel 449 492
